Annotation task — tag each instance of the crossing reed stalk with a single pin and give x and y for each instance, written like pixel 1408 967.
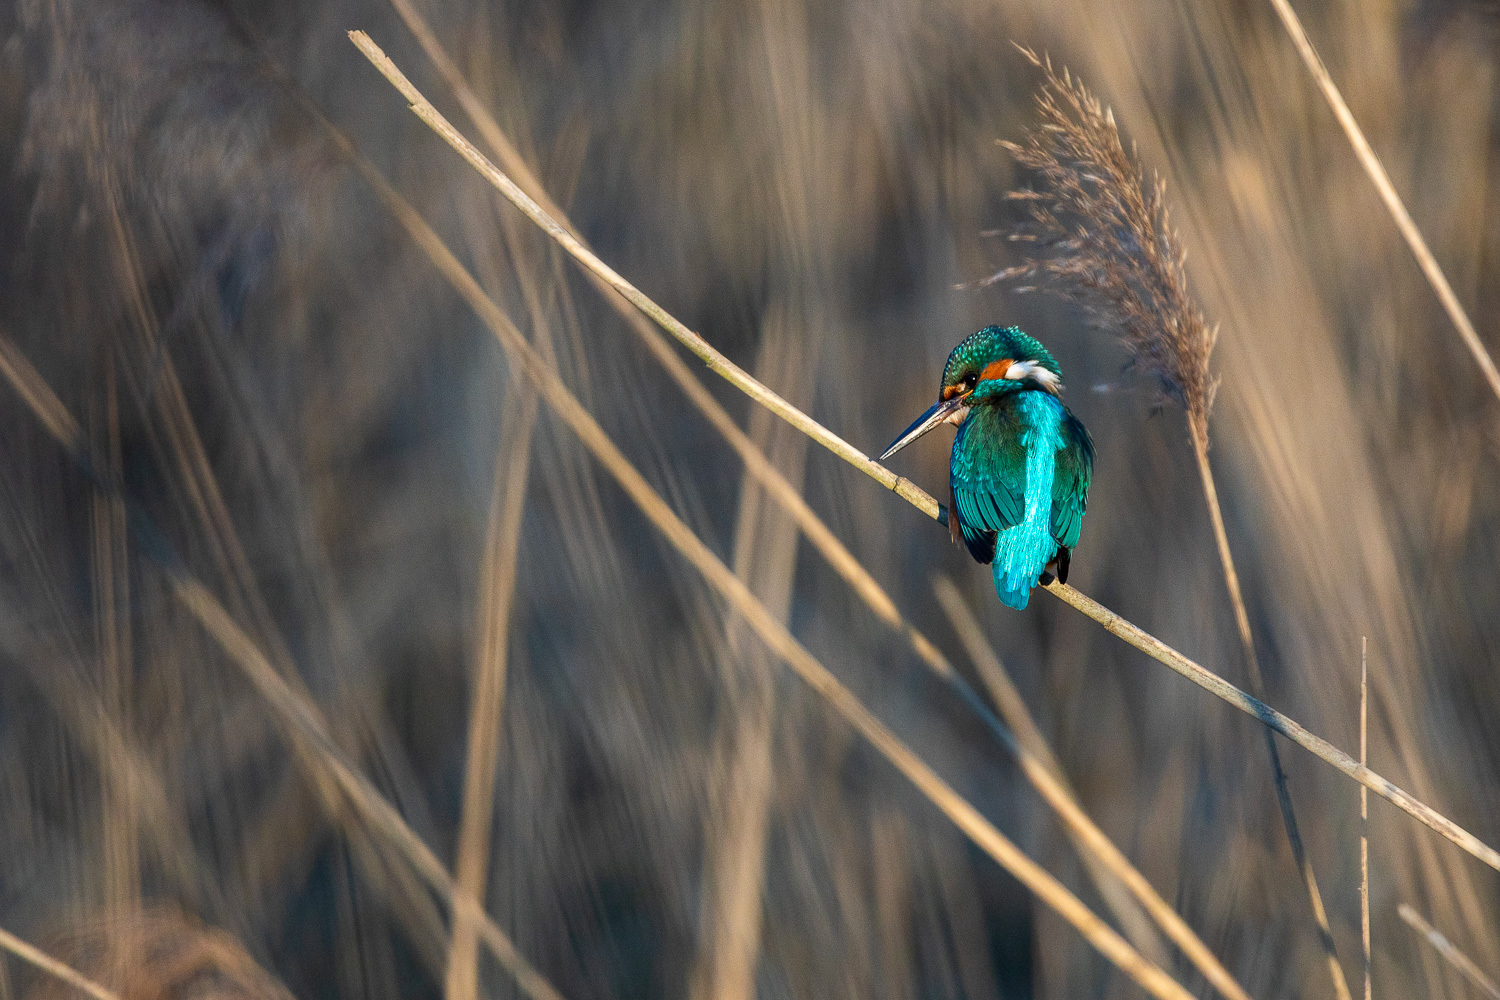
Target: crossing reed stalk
pixel 1387 191
pixel 293 709
pixel 771 630
pixel 1450 952
pixel 28 952
pixel 1117 876
pixel 908 490
pixel 1364 810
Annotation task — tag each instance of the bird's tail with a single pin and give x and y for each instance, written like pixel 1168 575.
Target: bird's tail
pixel 1014 588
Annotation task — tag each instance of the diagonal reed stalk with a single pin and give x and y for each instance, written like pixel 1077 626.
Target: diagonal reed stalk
pixel 1387 191
pixel 525 360
pixel 1043 779
pixel 1450 952
pixel 301 720
pixel 31 953
pixel 779 487
pixel 305 727
pixel 1364 811
pixel 908 490
pixel 1101 235
pixel 1118 893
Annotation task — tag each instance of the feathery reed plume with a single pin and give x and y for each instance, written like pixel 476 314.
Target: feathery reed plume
pixel 1103 238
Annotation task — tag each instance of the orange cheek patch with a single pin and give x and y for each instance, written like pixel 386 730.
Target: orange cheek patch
pixel 949 391
pixel 996 369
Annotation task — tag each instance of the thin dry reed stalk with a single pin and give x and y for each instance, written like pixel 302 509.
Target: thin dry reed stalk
pixel 1450 952
pixel 772 632
pixel 1291 729
pixel 1387 191
pixel 305 726
pixel 781 488
pixel 908 490
pixel 302 721
pixel 1102 237
pixel 1117 892
pixel 1364 809
pixel 34 955
pixel 487 700
pixel 711 356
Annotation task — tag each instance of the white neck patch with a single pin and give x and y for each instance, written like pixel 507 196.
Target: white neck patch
pixel 1033 370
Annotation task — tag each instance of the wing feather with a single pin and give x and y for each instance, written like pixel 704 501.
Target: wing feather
pixel 987 474
pixel 1070 483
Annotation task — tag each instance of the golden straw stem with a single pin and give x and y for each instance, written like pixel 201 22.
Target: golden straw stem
pixel 1364 810
pixel 1290 728
pixel 30 953
pixel 908 490
pixel 1387 191
pixel 772 631
pixel 716 361
pixel 1198 429
pixel 1050 786
pixel 1449 951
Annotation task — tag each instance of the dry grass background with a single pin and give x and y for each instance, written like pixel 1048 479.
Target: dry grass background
pixel 328 437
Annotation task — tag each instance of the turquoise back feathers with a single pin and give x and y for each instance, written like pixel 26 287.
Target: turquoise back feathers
pixel 1022 463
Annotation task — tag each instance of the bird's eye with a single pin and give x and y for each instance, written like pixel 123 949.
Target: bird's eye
pixel 970 379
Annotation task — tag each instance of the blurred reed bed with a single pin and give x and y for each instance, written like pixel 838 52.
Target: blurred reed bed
pixel 317 423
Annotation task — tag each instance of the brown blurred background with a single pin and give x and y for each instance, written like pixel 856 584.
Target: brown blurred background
pixel 283 398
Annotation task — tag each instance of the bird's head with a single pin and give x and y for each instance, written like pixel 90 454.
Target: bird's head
pixel 986 367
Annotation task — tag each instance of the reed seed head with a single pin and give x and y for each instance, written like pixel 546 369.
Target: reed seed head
pixel 1098 233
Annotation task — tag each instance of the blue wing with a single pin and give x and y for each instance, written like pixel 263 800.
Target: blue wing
pixel 987 475
pixel 1070 483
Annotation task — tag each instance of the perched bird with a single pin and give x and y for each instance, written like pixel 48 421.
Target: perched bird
pixel 1021 464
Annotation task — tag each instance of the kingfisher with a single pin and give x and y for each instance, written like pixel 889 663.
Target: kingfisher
pixel 1018 478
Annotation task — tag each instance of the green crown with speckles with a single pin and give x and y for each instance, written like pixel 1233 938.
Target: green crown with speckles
pixel 991 344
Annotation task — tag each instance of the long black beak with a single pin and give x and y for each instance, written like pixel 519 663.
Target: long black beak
pixel 937 414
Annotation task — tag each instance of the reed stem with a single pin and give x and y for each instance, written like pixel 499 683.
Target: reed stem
pixel 908 490
pixel 1114 869
pixel 1198 430
pixel 31 953
pixel 1450 952
pixel 525 360
pixel 1364 811
pixel 1387 191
